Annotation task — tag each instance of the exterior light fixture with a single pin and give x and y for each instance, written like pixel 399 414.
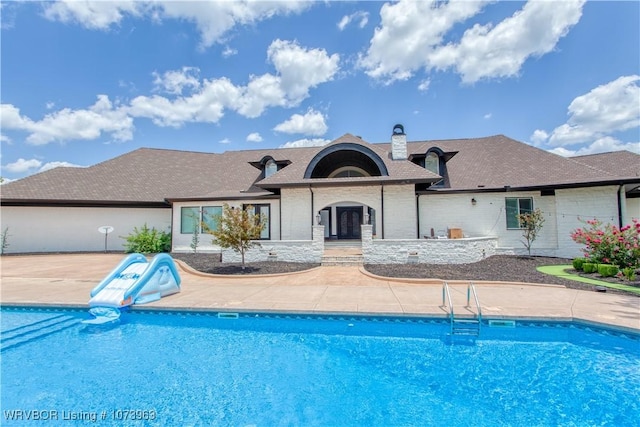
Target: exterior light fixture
pixel 319 219
pixel 365 218
pixel 473 201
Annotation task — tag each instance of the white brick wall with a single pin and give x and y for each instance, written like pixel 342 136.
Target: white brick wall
pixel 487 218
pixel 399 212
pixel 73 229
pixel 585 203
pixel 296 213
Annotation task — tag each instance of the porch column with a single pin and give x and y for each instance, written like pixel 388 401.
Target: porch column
pixel 317 244
pixel 367 240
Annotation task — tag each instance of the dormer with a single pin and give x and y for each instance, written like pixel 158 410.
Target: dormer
pixel 269 166
pixel 434 160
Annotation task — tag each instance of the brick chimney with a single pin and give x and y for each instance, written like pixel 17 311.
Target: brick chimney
pixel 398 143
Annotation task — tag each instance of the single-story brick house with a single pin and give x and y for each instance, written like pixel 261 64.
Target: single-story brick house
pixel 402 201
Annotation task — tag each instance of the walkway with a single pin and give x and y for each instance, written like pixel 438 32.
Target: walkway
pixel 66 280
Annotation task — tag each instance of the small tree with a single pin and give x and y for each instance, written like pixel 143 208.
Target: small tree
pixel 531 224
pixel 237 229
pixel 195 239
pixel 4 240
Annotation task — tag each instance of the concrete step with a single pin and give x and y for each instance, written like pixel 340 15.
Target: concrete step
pixel 346 260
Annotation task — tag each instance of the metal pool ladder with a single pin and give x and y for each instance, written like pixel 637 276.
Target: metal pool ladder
pixel 463 325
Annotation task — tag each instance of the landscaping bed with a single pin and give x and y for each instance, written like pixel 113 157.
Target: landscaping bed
pixel 496 268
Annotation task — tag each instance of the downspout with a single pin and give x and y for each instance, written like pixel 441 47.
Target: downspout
pixel 312 211
pixel 417 216
pixel 622 206
pixel 382 211
pixel 280 213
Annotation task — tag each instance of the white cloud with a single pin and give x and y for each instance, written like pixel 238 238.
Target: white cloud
pixel 424 85
pixel 312 123
pixel 411 37
pixel 50 105
pixel 487 116
pixel 213 19
pixel 609 108
pixel 315 142
pixel 254 137
pixel 300 69
pixel 66 124
pixel 205 106
pixel 5 139
pixel 175 81
pixel 224 141
pixel 97 15
pixel 21 165
pixel 601 145
pixel 539 137
pixel 361 16
pixel 228 51
pixel 409 31
pixel 51 165
pixel 486 51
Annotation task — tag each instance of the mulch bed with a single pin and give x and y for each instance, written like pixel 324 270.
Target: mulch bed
pixel 210 263
pixel 496 268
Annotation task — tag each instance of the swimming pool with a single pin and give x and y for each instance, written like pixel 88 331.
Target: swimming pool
pixel 189 368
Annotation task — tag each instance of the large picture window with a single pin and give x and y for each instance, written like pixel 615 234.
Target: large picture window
pixel 515 206
pixel 193 216
pixel 265 211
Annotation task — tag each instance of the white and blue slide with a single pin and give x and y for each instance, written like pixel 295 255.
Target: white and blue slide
pixel 134 281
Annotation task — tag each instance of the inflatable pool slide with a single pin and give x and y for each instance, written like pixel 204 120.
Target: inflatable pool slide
pixel 134 281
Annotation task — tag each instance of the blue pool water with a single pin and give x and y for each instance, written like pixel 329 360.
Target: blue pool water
pixel 197 369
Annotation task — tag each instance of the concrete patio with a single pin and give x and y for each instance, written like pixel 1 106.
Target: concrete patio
pixel 66 280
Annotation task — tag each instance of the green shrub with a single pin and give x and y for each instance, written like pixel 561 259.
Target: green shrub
pixel 629 273
pixel 589 267
pixel 577 263
pixel 148 241
pixel 607 270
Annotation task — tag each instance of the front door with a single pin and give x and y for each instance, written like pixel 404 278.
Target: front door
pixel 349 221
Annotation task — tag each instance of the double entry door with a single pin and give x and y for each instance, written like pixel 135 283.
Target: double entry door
pixel 349 222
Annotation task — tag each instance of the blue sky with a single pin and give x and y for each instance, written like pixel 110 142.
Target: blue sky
pixel 83 82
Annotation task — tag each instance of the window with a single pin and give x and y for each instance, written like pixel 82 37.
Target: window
pixel 270 168
pixel 189 219
pixel 516 206
pixel 432 163
pixel 265 211
pixel 210 217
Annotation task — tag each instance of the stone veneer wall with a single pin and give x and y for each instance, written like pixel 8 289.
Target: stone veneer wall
pixel 429 251
pixel 283 250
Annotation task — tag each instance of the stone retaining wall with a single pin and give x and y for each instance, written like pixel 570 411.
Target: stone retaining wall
pixel 283 250
pixel 429 251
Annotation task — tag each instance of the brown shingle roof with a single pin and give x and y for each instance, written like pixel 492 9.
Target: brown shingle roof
pixel 623 164
pixel 151 176
pixel 497 161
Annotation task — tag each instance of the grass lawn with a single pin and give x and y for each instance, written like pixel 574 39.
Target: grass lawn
pixel 559 270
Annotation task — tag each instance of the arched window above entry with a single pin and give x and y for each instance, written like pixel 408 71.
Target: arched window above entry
pixel 345 160
pixel 348 172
